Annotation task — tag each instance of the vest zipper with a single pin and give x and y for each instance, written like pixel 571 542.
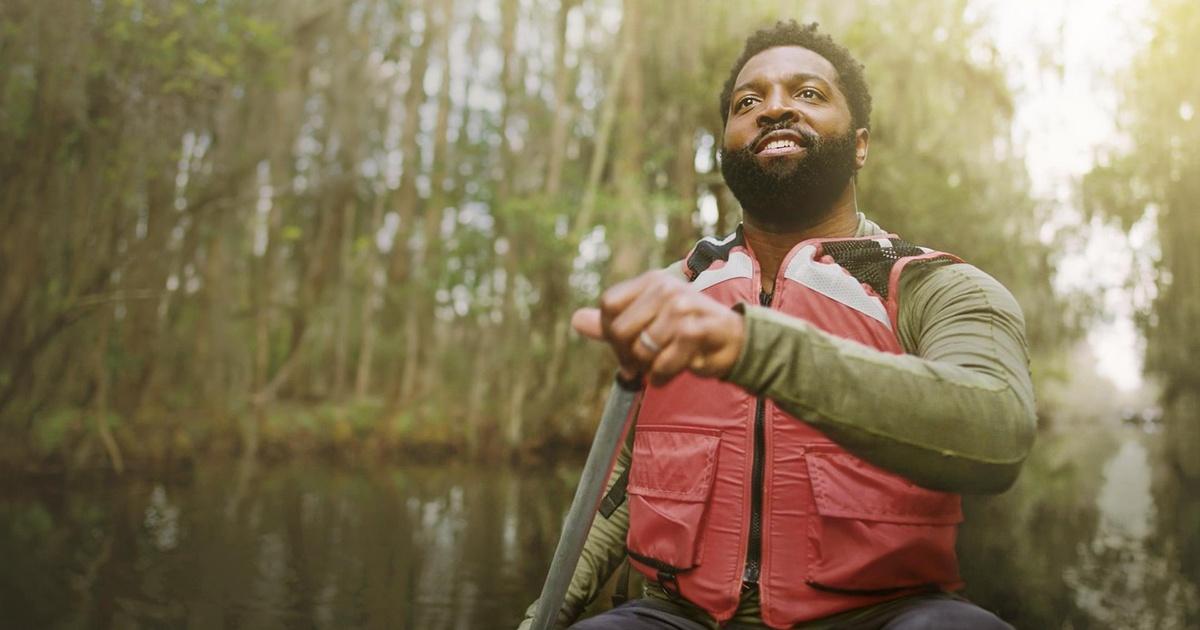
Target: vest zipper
pixel 754 547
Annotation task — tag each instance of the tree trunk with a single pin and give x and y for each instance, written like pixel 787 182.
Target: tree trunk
pixel 681 230
pixel 508 70
pixel 476 399
pixel 563 103
pixel 374 281
pixel 400 275
pixel 1172 343
pixel 341 334
pixel 608 117
pixel 633 231
pixel 100 409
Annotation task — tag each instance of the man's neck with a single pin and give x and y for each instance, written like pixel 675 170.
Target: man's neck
pixel 772 243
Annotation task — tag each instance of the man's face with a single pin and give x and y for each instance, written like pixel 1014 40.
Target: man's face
pixel 789 148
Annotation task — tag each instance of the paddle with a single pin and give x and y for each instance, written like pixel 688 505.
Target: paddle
pixel 587 498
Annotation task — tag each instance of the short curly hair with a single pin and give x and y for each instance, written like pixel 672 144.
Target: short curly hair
pixel 849 69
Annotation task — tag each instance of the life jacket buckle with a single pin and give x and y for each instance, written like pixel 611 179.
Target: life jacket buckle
pixel 670 584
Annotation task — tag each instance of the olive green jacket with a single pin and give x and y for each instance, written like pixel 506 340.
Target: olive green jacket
pixel 956 413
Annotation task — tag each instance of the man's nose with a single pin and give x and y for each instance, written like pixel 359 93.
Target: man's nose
pixel 777 108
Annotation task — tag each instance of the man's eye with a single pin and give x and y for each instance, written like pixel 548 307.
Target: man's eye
pixel 809 94
pixel 744 102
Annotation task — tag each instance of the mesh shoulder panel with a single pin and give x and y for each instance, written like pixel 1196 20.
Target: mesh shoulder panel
pixel 871 262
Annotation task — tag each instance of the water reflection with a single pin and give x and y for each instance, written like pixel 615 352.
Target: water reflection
pixel 1121 580
pixel 303 546
pixel 1096 534
pixel 1080 542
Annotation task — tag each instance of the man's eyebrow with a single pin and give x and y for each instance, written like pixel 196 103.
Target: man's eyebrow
pixel 798 77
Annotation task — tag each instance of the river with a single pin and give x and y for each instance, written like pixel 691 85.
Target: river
pixel 1094 535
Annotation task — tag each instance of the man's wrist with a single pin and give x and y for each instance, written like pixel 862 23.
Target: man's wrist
pixel 773 344
pixel 741 308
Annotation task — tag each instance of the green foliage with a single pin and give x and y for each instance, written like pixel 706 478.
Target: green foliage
pixel 53 429
pixel 1154 175
pixel 249 209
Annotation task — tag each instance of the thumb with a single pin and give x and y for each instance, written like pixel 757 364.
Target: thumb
pixel 586 321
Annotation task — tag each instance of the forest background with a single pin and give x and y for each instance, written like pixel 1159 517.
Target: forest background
pixel 359 228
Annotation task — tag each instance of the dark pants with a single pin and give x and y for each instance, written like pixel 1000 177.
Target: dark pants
pixel 927 612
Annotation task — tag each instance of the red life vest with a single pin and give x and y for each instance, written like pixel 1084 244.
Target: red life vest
pixel 722 481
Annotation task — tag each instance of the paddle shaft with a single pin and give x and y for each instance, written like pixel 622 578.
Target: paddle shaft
pixel 583 506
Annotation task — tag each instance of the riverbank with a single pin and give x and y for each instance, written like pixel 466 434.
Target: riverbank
pixel 68 441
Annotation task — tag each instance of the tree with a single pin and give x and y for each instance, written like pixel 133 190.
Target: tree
pixel 1155 175
pixel 242 212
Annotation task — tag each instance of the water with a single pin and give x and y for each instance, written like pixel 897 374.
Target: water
pixel 1094 535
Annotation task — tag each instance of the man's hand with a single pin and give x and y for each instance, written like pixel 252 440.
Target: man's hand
pixel 659 326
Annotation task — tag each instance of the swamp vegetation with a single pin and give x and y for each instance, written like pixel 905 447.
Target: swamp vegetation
pixel 282 280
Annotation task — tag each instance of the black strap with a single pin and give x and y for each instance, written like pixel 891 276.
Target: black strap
pixel 615 495
pixel 670 584
pixel 873 592
pixel 633 384
pixel 621 592
pixel 707 251
pixel 666 575
pixel 653 563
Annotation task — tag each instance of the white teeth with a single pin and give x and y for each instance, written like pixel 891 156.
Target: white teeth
pixel 781 144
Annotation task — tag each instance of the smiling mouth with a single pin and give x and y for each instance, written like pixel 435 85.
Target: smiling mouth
pixel 781 142
pixel 780 147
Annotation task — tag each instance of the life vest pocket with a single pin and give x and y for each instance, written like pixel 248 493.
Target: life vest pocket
pixel 875 532
pixel 670 479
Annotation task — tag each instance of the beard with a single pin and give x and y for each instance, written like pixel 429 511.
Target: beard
pixel 791 193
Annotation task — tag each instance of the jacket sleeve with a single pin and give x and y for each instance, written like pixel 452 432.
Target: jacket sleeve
pixel 956 413
pixel 602 553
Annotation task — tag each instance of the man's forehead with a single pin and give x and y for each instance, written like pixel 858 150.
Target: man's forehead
pixel 783 61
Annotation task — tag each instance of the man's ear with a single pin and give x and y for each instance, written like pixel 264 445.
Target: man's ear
pixel 862 140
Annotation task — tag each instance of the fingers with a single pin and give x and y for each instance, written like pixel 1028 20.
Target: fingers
pixel 675 357
pixel 618 297
pixel 658 326
pixel 665 327
pixel 626 310
pixel 707 340
pixel 660 329
pixel 633 328
pixel 586 321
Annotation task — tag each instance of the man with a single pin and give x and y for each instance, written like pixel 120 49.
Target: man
pixel 796 458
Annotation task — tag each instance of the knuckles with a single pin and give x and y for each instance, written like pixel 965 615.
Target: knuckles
pixel 690 330
pixel 695 329
pixel 691 315
pixel 661 372
pixel 609 304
